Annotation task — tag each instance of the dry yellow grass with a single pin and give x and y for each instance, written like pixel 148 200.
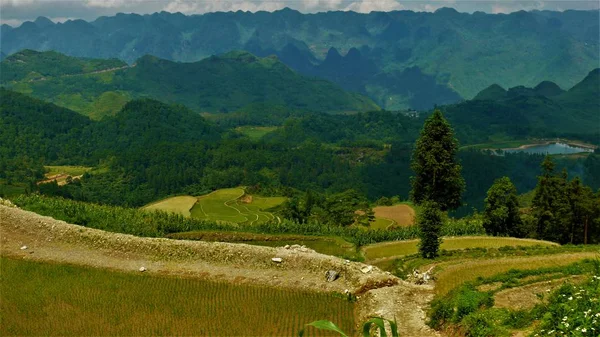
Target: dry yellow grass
pixel 401 248
pixel 401 215
pixel 455 273
pixel 180 205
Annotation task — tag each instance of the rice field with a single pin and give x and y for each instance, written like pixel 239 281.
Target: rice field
pixel 232 205
pixel 180 205
pixel 46 299
pixel 255 132
pixel 455 273
pixel 408 247
pixel 397 215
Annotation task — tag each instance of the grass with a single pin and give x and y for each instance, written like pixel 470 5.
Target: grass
pixel 69 170
pixel 455 273
pixel 255 132
pixel 232 205
pixel 180 205
pixel 409 247
pixel 325 245
pixel 54 299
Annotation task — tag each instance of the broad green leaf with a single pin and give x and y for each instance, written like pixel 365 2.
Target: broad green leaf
pixel 324 325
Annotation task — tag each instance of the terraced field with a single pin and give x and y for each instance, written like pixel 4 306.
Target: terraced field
pixel 126 304
pixel 181 205
pixel 389 250
pixel 397 215
pixel 231 205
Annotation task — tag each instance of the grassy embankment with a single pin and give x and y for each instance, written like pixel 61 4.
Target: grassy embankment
pixel 49 296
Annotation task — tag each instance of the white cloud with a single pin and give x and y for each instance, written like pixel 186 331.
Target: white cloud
pixel 16 3
pixel 312 5
pixel 367 6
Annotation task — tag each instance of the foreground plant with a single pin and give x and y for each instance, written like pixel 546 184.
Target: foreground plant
pixel 377 321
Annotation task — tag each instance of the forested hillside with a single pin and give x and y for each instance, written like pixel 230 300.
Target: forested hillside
pixel 400 59
pixel 149 150
pixel 216 84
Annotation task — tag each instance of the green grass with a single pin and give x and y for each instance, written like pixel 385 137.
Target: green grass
pixel 180 205
pixel 51 299
pixel 507 144
pixel 66 169
pixel 409 247
pixel 229 206
pixel 255 132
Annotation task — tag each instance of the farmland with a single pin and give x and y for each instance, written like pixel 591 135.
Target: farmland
pixel 61 173
pixel 180 205
pixel 117 303
pixel 230 205
pixel 397 215
pixel 408 247
pixel 255 132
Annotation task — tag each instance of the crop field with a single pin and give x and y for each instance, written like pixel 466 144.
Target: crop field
pixel 66 300
pixel 455 273
pixel 231 205
pixel 397 215
pixel 325 245
pixel 180 205
pixel 255 132
pixel 408 247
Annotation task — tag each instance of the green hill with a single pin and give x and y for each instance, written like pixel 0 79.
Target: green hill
pixel 523 112
pixel 30 65
pixel 216 84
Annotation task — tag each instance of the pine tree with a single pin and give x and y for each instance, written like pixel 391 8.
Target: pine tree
pixel 437 172
pixel 501 214
pixel 430 222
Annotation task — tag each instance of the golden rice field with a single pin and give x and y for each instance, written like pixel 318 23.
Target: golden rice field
pixel 408 247
pixel 454 273
pixel 180 205
pixel 43 299
pixel 397 215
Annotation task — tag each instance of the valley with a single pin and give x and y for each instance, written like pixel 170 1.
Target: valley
pixel 349 170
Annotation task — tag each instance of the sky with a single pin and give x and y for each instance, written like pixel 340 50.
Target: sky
pixel 14 12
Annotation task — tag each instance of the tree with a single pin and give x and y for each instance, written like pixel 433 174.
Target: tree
pixel 501 214
pixel 347 208
pixel 581 200
pixel 430 224
pixel 437 172
pixel 551 207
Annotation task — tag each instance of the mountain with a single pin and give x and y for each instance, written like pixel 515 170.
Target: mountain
pixel 459 52
pixel 216 84
pixel 30 65
pixel 520 112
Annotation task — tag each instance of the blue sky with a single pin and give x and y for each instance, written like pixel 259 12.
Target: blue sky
pixel 14 12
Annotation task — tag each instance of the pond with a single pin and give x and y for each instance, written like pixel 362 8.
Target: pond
pixel 552 148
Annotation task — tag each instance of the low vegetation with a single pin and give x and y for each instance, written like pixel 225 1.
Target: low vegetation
pixel 116 303
pixel 470 307
pixel 179 205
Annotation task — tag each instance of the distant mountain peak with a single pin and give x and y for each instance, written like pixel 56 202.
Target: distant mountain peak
pixel 492 93
pixel 548 89
pixel 43 22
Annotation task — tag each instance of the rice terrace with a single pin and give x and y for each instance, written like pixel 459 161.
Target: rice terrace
pixel 300 168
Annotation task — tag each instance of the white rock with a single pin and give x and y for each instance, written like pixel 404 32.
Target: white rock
pixel 346 291
pixel 277 259
pixel 286 246
pixel 347 261
pixel 24 247
pixel 366 269
pixel 142 269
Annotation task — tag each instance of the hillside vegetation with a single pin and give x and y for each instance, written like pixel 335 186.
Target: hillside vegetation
pixel 217 84
pixel 400 58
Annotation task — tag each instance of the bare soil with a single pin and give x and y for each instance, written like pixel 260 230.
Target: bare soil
pixel 52 240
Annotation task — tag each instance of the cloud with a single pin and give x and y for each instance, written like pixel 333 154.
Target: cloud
pixel 367 6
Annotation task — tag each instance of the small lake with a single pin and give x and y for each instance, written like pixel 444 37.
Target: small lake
pixel 553 148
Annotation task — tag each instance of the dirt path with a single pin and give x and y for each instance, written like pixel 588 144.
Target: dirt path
pixel 51 240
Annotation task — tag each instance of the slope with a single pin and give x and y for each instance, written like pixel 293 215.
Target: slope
pixel 216 84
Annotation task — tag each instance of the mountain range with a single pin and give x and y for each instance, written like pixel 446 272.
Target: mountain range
pixel 222 83
pixel 400 59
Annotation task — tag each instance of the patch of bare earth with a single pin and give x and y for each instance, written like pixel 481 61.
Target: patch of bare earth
pixel 527 296
pixel 52 240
